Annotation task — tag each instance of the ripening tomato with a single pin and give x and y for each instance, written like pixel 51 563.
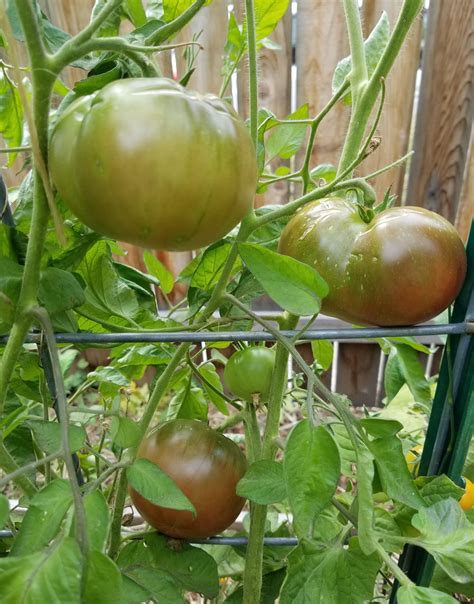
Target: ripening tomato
pixel 148 162
pixel 206 466
pixel 248 373
pixel 403 267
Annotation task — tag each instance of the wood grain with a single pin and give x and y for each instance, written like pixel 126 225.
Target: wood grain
pixel 394 125
pixel 321 44
pixel 446 109
pixel 465 215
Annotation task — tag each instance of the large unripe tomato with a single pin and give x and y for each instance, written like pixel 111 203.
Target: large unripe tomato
pixel 248 373
pixel 404 267
pixel 206 466
pixel 148 162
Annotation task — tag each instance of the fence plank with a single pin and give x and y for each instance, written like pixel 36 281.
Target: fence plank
pixel 465 214
pixel 446 108
pixel 394 125
pixel 321 43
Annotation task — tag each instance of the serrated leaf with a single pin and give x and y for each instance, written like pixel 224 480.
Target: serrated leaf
pixel 412 594
pixel 264 483
pixel 395 476
pixel 156 486
pixel 104 580
pixel 43 519
pixel 124 432
pixel 11 115
pixel 448 536
pixel 211 264
pixel 48 436
pixel 403 367
pixel 381 427
pixel 322 353
pixel 312 467
pixel 373 46
pixel 320 574
pixel 59 290
pixel 158 270
pixel 286 139
pixel 295 286
pixel 268 14
pixel 52 575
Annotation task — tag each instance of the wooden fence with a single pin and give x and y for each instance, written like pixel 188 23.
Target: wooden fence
pixel 429 107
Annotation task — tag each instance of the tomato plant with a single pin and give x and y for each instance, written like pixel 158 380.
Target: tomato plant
pixel 137 161
pixel 368 264
pixel 206 466
pixel 248 373
pixel 125 154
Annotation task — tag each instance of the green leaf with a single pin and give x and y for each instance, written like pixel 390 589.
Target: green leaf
pixel 312 467
pixel 104 580
pixel 411 594
pixel 209 373
pixel 322 353
pixel 395 476
pixel 105 289
pixel 191 568
pixel 268 13
pixel 52 576
pixel 192 404
pixel 444 583
pixel 44 517
pixel 97 516
pixel 264 483
pixel 59 290
pixel 373 46
pixel 154 583
pixel 210 266
pixel 286 139
pixel 403 367
pixel 366 515
pixel 4 510
pixel 156 486
pixel 158 270
pixel 448 536
pixel 327 574
pixel 295 286
pixel 135 11
pixel 271 586
pixel 7 311
pixel 124 432
pixel 48 436
pixel 11 275
pixel 381 427
pixel 328 172
pixel 11 115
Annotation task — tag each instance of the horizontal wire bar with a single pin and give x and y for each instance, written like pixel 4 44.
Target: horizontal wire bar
pixel 252 336
pixel 281 541
pixel 243 541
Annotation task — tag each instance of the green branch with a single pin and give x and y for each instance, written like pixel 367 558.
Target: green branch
pixel 173 27
pixel 253 74
pixel 81 529
pixel 358 75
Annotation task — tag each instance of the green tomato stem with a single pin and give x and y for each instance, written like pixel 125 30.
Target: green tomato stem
pixel 81 526
pixel 174 26
pixel 253 439
pixel 253 75
pixel 365 102
pixel 30 466
pixel 358 75
pixel 258 513
pixel 116 524
pixel 8 464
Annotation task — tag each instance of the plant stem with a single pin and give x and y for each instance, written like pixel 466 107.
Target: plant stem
pixel 8 464
pixel 358 75
pixel 91 486
pixel 258 513
pixel 30 466
pixel 116 525
pixel 14 149
pixel 81 528
pixel 366 101
pixel 171 28
pixel 253 76
pixel 252 434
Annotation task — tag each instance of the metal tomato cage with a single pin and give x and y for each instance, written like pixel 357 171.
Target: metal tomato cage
pixel 451 420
